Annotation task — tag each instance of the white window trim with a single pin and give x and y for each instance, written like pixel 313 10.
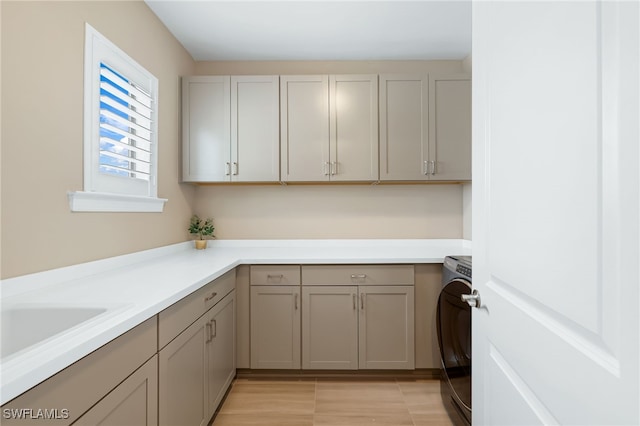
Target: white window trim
pixel 91 199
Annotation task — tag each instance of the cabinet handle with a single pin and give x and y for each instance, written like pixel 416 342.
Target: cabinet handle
pixel 425 167
pixel 334 167
pixel 326 168
pixel 433 167
pixel 209 338
pixel 215 329
pixel 211 296
pixel 279 277
pixel 362 301
pixel 358 276
pixel 227 168
pixel 296 302
pixel 354 301
pixel 235 168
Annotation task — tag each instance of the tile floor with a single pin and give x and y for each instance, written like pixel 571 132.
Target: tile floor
pixel 333 402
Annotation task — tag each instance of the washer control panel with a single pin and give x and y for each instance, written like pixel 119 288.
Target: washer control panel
pixel 464 270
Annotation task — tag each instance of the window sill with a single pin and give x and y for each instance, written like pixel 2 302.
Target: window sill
pixel 80 201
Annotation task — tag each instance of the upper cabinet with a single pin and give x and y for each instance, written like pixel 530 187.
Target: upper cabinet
pixel 326 128
pixel 329 128
pixel 425 128
pixel 230 129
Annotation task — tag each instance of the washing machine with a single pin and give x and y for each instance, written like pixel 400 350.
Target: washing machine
pixel 453 321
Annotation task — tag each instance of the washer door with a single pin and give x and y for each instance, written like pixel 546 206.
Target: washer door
pixel 454 338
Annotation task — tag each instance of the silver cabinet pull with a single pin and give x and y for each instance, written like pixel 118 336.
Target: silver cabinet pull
pixel 296 302
pixel 235 168
pixel 472 299
pixel 425 167
pixel 358 276
pixel 215 329
pixel 211 296
pixel 326 168
pixel 354 302
pixel 362 301
pixel 227 168
pixel 334 167
pixel 208 331
pixel 278 277
pixel 433 167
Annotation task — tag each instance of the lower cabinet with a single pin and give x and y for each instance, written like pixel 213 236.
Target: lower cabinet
pixel 117 384
pixel 332 317
pixel 358 327
pixel 197 366
pixel 275 327
pixel 330 327
pixel 133 402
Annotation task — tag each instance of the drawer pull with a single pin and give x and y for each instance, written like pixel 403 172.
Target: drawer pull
pixel 211 296
pixel 355 307
pixel 361 301
pixel 358 276
pixel 274 277
pixel 215 329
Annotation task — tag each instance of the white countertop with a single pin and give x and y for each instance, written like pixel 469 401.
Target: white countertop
pixel 137 286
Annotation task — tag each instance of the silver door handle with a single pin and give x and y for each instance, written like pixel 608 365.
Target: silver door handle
pixel 278 277
pixel 355 306
pixel 296 302
pixel 334 167
pixel 227 168
pixel 362 301
pixel 472 299
pixel 326 168
pixel 235 168
pixel 433 167
pixel 425 167
pixel 358 276
pixel 215 329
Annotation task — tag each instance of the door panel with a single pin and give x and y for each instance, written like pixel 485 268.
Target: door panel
pixel 304 131
pixel 330 327
pixel 556 213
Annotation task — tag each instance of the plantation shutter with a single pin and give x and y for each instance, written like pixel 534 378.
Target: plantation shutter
pixel 126 112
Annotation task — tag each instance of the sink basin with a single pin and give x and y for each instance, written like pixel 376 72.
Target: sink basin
pixel 24 326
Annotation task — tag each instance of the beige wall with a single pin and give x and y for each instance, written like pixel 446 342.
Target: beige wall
pixel 42 104
pixel 341 211
pixel 326 211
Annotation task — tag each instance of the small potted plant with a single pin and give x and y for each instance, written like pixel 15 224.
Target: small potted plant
pixel 201 228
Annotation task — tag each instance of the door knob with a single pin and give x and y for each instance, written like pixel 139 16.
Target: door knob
pixel 472 299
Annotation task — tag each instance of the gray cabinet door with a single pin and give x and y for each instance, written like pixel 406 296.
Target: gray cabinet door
pixel 404 131
pixel 386 327
pixel 133 402
pixel 450 127
pixel 221 354
pixel 183 378
pixel 304 128
pixel 353 127
pixel 275 327
pixel 330 327
pixel 255 128
pixel 206 119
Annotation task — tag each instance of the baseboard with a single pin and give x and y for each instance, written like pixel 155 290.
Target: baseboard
pixel 417 374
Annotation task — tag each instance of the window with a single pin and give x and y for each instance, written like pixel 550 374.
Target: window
pixel 120 132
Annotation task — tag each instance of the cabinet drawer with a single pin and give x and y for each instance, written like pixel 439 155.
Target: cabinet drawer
pixel 357 275
pixel 180 315
pixel 275 275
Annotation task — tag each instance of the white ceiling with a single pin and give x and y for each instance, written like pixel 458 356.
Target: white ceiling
pixel 319 30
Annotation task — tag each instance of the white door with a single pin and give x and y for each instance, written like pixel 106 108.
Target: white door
pixel 556 215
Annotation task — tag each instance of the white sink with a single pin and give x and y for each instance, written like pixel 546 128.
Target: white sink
pixel 24 326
